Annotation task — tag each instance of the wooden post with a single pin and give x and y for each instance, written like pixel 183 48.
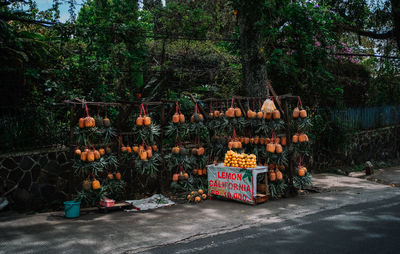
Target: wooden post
pixel 163 121
pixel 71 127
pixel 292 190
pixel 266 184
pixel 71 142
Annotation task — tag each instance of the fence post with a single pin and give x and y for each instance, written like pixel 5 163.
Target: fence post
pixel 71 142
pixel 291 189
pixel 162 125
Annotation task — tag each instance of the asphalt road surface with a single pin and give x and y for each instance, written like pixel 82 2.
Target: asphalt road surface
pixel 372 227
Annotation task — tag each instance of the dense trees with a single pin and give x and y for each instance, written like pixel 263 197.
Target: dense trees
pixel 113 50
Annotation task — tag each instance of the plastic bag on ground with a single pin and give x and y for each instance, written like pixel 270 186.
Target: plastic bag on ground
pixel 153 202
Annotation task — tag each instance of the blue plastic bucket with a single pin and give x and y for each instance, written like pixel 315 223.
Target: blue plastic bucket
pixel 72 209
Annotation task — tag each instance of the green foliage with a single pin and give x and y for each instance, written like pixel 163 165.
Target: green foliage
pixel 199 130
pixel 277 188
pixel 149 167
pixel 279 159
pixel 176 130
pixel 180 19
pixel 148 134
pixel 194 183
pixel 300 182
pixel 330 135
pixel 105 163
pixel 186 69
pixel 218 148
pixel 109 56
pixel 30 127
pixel 94 135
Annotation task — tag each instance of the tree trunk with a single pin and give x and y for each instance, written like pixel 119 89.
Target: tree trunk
pixel 396 20
pixel 254 66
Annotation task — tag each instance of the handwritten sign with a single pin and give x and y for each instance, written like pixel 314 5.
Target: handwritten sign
pixel 232 183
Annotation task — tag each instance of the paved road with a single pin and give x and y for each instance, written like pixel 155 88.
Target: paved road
pixel 278 222
pixel 372 227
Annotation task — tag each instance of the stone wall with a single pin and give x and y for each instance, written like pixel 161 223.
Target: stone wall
pixel 370 145
pixel 36 180
pixel 379 144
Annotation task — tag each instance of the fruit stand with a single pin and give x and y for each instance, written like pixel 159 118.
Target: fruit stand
pixel 239 184
pixel 153 142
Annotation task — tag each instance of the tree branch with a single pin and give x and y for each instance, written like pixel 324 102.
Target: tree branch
pixel 370 34
pixel 25 20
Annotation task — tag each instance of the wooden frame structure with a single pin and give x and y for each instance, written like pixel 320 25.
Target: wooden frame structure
pixel 166 112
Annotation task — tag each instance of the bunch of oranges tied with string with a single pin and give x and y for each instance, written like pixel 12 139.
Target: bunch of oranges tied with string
pixel 240 160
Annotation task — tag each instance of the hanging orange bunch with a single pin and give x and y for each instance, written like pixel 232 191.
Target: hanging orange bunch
pixel 197 116
pixel 271 147
pixel 95 184
pixel 295 138
pixel 303 138
pixel 301 170
pixel 86 122
pixel 89 121
pixel 180 174
pixel 299 111
pixel 234 143
pixel 142 152
pixel 233 112
pixel 143 119
pixel 199 151
pixel 178 117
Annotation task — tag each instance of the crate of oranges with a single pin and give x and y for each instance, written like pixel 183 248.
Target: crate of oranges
pixel 240 160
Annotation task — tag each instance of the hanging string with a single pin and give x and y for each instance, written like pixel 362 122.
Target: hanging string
pixel 300 161
pixel 141 110
pixel 273 137
pixel 299 102
pixel 233 99
pixel 87 110
pixel 178 109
